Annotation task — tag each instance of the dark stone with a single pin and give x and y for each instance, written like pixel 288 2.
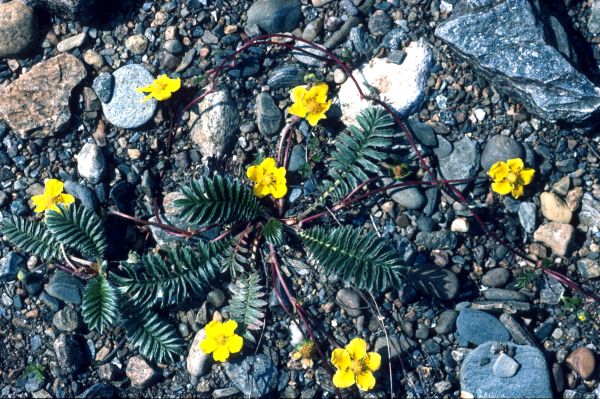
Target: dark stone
pixel 275 16
pixel 479 327
pixel 122 195
pixel 10 265
pixel 442 239
pixel 103 86
pixel 83 193
pixel 285 76
pixel 380 23
pixel 50 301
pixel 424 133
pixel 446 322
pixel 69 354
pixel 268 115
pixel 33 283
pixel 98 390
pixel 433 280
pixel 510 44
pixel 501 148
pixel 65 287
pixel 255 376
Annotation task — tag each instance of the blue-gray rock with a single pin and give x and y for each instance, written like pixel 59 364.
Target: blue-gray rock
pixel 408 197
pixel 446 322
pixel 589 215
pixel 527 212
pixel 69 354
pixel 33 283
pixel 426 223
pixel 442 239
pixel 424 134
pixel 361 43
pixel 444 147
pixel 32 380
pixel 317 58
pixel 479 327
pixel 173 46
pixel 50 301
pixel 268 115
pixel 393 39
pixel 380 23
pixel 255 376
pixel 551 291
pixel 594 18
pixel 497 277
pixel 462 163
pixel 10 265
pixel 83 10
pixel 510 44
pixel 126 108
pixel 500 148
pixel 275 16
pixel 103 85
pixel 65 287
pixel 297 158
pixel 531 380
pixel 288 75
pixel 97 391
pixel 66 319
pixel 83 193
pixel 505 366
pixel 501 294
pixel 245 66
pixel 405 249
pixel 434 280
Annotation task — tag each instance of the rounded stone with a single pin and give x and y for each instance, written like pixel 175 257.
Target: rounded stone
pixel 446 322
pixel 18 29
pixel 350 301
pixel 500 148
pixel 479 327
pixel 126 108
pixel 137 44
pixel 583 361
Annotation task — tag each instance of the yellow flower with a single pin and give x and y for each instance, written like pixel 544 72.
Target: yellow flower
pixel 268 179
pixel 510 177
pixel 53 194
pixel 310 104
pixel 161 88
pixel 221 340
pixel 355 366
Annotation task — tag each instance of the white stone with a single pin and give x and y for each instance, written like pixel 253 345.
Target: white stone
pixel 91 162
pixel 216 125
pixel 460 225
pixel 401 86
pixel 71 42
pixel 479 114
pixel 197 361
pixel 296 335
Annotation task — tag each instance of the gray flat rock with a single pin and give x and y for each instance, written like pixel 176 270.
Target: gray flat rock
pixel 126 108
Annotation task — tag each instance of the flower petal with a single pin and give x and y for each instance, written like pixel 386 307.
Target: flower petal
pixel 228 328
pixel 297 93
pixel 499 170
pixel 144 89
pixel 212 329
pixel 343 378
pixel 298 110
pixel 255 173
pixel 373 361
pixel 40 202
pixel 268 164
pixel 173 85
pixel 340 358
pixel 365 381
pixel 53 187
pixel 319 92
pixel 279 190
pixel 261 190
pixel 517 191
pixel 221 354
pixel 502 187
pixel 66 199
pixel 208 345
pixel 515 165
pixel 313 119
pixel 357 348
pixel 526 176
pixel 235 343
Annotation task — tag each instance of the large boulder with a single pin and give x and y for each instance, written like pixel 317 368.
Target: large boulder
pixel 18 29
pixel 36 105
pixel 525 53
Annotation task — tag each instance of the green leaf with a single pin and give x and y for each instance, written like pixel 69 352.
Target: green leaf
pixel 363 260
pixel 100 306
pixel 156 339
pixel 247 304
pixel 217 199
pixel 170 277
pixel 77 228
pixel 30 236
pixel 273 231
pixel 359 152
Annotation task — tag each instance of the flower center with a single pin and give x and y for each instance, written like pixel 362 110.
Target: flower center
pixel 160 85
pixel 313 106
pixel 221 340
pixel 267 180
pixel 511 178
pixel 356 366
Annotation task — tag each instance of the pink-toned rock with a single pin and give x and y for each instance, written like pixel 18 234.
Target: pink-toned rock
pixel 557 236
pixel 574 198
pixel 36 105
pixel 583 361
